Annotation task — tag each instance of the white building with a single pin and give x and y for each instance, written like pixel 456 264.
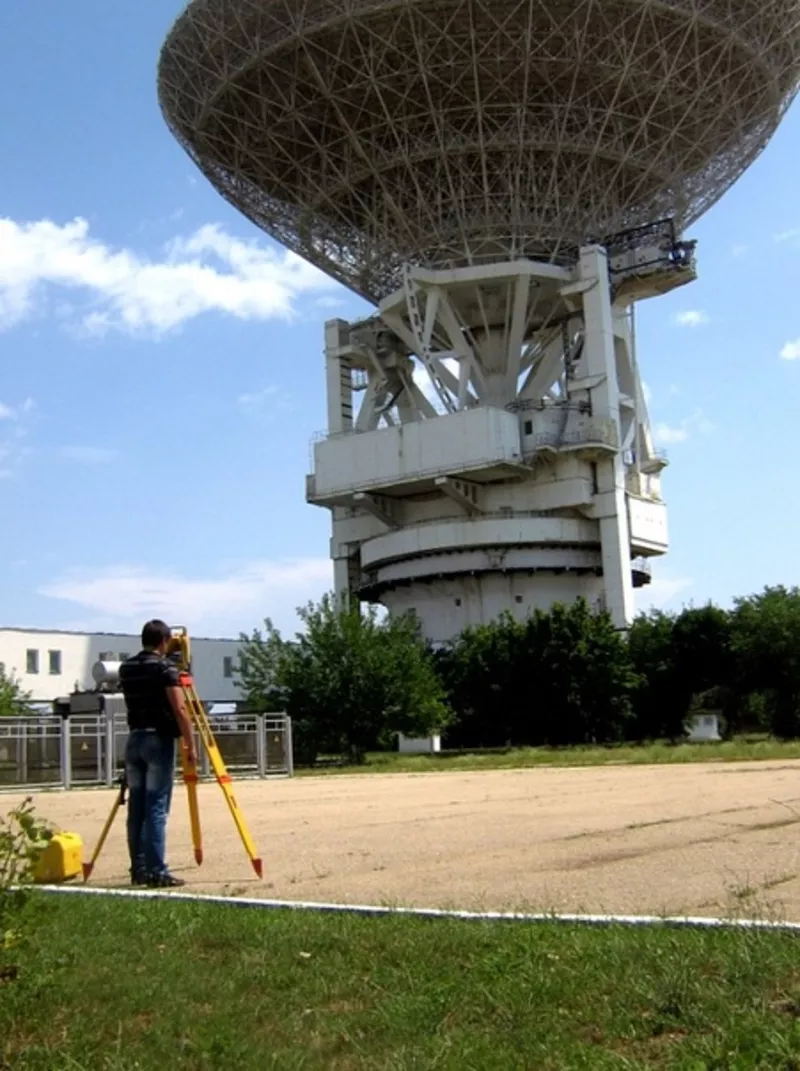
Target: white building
pixel 50 664
pixel 703 728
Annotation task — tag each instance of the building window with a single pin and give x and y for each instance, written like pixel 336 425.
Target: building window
pixel 32 661
pixel 517 598
pixel 227 666
pixel 55 663
pixel 528 427
pixel 124 656
pixel 107 656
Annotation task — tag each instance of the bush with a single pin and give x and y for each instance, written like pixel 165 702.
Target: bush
pixel 22 839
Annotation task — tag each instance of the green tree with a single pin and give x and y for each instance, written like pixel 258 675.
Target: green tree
pixel 586 680
pixel 765 643
pixel 260 657
pixel 704 663
pixel 677 658
pixel 657 712
pixel 14 700
pixel 558 678
pixel 349 682
pixel 485 678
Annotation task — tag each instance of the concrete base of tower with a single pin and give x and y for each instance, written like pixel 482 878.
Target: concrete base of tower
pixel 445 607
pixel 451 586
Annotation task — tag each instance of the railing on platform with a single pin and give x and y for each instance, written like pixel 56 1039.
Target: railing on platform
pixel 81 750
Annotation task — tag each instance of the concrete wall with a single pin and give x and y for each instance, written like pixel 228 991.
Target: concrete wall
pixel 446 607
pixel 60 661
pixel 458 443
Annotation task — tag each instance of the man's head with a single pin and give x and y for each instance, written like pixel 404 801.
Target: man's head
pixel 156 635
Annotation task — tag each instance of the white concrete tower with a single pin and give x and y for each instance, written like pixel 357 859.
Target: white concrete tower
pixel 525 473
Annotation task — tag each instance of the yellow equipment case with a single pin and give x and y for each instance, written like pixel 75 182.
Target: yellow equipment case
pixel 61 860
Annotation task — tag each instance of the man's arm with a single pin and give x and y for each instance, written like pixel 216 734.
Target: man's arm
pixel 176 700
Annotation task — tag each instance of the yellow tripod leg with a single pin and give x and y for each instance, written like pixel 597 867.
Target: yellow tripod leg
pixel 190 779
pixel 89 867
pixel 201 723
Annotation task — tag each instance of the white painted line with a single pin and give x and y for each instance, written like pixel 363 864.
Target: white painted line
pixel 425 912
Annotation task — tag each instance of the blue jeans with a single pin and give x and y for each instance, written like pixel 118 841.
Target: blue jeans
pixel 149 768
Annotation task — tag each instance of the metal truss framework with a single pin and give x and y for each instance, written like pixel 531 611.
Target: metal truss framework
pixel 510 335
pixel 370 134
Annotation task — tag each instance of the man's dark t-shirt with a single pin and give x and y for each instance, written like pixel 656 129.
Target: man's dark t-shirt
pixel 144 680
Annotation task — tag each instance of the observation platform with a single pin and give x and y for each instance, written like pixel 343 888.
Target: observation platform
pixel 482 444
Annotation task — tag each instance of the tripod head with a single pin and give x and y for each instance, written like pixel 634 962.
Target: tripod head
pixel 179 649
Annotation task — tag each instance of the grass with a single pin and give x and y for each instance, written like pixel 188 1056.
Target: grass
pixel 742 749
pixel 117 985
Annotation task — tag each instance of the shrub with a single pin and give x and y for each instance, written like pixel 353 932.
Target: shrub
pixel 22 838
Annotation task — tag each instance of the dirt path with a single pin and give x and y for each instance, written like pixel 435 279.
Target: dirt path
pixel 694 839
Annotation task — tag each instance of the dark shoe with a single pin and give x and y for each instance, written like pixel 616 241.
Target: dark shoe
pixel 164 881
pixel 139 877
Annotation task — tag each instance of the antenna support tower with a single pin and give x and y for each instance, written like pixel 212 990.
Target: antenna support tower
pixel 502 180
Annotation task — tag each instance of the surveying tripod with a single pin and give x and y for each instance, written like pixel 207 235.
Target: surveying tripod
pixel 179 651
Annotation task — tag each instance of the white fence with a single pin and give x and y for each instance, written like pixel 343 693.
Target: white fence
pixel 82 750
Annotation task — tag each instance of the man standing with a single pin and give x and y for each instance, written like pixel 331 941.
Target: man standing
pixel 156 718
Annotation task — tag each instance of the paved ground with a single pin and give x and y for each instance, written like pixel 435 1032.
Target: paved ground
pixel 699 839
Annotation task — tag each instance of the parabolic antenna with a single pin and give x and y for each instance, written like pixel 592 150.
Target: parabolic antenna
pixel 363 134
pixel 503 179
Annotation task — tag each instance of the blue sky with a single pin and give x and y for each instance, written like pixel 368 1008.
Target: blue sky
pixel 161 370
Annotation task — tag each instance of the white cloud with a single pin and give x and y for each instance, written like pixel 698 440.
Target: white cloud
pixel 88 455
pixel 123 597
pixel 669 434
pixel 210 271
pixel 267 402
pixel 10 412
pixel 691 318
pixel 13 433
pixel 791 351
pixel 790 235
pixel 255 399
pixel 661 591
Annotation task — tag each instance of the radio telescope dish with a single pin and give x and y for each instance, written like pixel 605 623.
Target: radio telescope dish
pixel 364 134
